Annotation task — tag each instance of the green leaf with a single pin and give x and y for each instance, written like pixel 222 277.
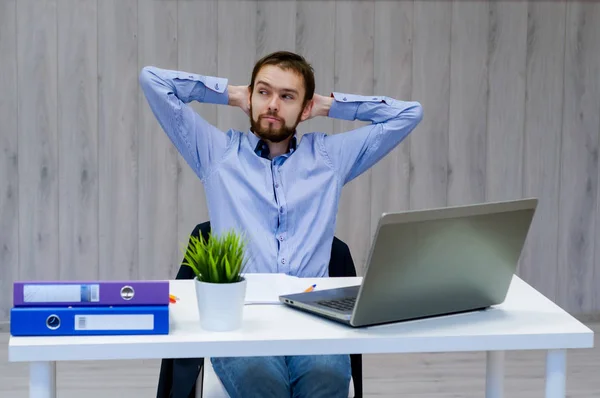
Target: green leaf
pixel 220 259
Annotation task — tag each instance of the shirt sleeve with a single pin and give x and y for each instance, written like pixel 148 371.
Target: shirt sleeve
pixel 168 92
pixel 353 152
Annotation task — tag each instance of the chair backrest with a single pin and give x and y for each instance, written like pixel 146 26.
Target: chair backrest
pixel 340 261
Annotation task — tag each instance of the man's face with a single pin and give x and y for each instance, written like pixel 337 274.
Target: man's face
pixel 276 103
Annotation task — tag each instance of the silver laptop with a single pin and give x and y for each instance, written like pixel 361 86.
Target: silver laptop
pixel 433 262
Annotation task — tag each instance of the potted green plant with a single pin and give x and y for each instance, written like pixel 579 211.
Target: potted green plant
pixel 218 263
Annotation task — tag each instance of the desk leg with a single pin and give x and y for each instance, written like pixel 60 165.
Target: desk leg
pixel 494 383
pixel 42 380
pixel 556 379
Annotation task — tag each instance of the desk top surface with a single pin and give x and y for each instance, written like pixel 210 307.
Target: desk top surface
pixel 526 320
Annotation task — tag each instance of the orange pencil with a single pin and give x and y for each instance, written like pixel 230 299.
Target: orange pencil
pixel 310 289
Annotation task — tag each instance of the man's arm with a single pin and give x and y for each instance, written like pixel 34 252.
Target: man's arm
pixel 168 92
pixel 355 151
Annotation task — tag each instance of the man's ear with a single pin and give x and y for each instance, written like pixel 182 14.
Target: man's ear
pixel 307 110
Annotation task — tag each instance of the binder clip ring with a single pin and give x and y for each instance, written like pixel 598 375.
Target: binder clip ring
pixel 127 293
pixel 53 322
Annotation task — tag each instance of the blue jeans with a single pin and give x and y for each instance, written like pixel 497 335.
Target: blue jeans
pixel 295 376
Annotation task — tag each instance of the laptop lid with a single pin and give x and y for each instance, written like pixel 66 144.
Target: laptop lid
pixel 441 261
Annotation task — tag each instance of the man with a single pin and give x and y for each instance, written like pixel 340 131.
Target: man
pixel 282 193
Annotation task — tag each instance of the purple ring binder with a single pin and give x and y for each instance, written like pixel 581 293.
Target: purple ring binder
pixel 90 293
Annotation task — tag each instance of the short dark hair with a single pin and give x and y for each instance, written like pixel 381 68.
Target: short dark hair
pixel 287 60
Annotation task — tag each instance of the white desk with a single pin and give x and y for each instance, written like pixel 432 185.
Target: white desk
pixel 525 321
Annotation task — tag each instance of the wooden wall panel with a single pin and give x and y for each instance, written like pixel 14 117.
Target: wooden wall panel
pixel 91 186
pixel 236 55
pixel 390 178
pixel 468 103
pixel 118 104
pixel 315 40
pixel 157 156
pixel 275 26
pixel 9 171
pixel 432 22
pixel 38 140
pixel 354 74
pixel 78 139
pixel 543 126
pixel 197 53
pixel 506 106
pixel 579 157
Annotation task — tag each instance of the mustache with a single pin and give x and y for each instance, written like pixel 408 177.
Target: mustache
pixel 271 115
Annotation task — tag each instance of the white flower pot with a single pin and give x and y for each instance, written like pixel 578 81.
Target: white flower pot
pixel 220 305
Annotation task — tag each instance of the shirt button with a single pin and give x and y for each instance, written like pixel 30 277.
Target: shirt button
pixel 276 185
pixel 217 86
pixel 283 261
pixel 281 238
pixel 281 209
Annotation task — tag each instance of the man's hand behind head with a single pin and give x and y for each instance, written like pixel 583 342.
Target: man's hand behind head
pixel 238 96
pixel 320 106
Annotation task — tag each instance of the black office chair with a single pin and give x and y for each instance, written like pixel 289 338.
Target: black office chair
pixel 178 376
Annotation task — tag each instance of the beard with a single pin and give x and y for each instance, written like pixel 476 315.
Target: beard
pixel 270 133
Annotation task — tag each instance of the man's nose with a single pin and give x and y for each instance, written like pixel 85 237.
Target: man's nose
pixel 274 103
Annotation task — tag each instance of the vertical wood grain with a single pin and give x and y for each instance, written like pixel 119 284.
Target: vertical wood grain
pixel 158 247
pixel 9 171
pixel 431 87
pixel 354 63
pixel 579 157
pixel 315 34
pixel 118 99
pixel 596 271
pixel 78 139
pixel 390 177
pixel 197 53
pixel 543 125
pixel 53 179
pixel 468 103
pixel 506 106
pixel 38 139
pixel 236 55
pixel 275 26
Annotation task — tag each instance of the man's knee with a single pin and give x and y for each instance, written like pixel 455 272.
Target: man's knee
pixel 252 376
pixel 321 372
pixel 336 366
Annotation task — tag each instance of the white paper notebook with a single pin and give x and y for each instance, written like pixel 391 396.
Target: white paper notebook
pixel 266 288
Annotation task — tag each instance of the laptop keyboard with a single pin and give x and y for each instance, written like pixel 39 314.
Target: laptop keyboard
pixel 345 304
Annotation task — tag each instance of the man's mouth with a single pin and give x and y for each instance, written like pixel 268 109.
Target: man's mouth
pixel 271 119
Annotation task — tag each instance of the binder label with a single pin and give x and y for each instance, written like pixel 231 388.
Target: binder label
pixel 61 293
pixel 115 322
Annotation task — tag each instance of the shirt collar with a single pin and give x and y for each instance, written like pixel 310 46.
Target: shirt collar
pixel 262 149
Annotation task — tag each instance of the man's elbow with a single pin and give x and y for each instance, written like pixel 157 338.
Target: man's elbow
pixel 145 76
pixel 416 112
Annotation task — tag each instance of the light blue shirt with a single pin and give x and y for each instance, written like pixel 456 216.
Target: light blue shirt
pixel 286 206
